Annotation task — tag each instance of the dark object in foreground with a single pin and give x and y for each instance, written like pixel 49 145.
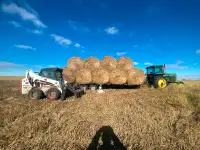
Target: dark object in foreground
pixel 109 140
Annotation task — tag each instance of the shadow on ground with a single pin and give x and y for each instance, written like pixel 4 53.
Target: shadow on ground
pixel 109 140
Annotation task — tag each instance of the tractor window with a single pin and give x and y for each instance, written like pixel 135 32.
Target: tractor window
pixel 158 70
pixel 150 70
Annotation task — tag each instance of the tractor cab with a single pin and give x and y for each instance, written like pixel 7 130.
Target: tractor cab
pixel 155 70
pixel 51 73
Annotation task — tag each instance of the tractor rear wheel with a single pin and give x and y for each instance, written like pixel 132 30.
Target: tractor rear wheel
pixel 160 82
pixel 53 94
pixel 35 94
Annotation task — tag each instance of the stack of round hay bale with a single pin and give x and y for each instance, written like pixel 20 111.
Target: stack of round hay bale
pixel 105 71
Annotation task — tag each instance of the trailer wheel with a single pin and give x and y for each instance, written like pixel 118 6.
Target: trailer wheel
pixel 35 94
pixel 53 94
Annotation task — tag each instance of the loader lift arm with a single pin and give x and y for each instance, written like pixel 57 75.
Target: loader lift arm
pixel 77 90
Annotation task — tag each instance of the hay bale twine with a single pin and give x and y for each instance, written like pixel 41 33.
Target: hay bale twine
pixel 125 63
pixel 91 63
pixel 83 76
pixel 100 76
pixel 109 63
pixel 118 76
pixel 75 63
pixel 68 75
pixel 136 76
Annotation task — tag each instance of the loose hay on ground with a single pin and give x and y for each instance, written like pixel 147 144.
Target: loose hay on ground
pixel 141 119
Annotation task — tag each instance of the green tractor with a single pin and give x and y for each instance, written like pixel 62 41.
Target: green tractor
pixel 157 77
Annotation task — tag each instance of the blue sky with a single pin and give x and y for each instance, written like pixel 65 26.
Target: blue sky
pixel 41 33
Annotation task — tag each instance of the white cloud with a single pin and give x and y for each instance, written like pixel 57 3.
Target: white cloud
pixel 12 72
pixel 189 77
pixel 15 24
pixel 38 66
pixel 176 66
pixel 135 46
pixel 77 45
pixel 136 63
pixel 111 30
pixel 82 51
pixel 198 51
pixel 121 53
pixel 37 31
pixel 77 27
pixel 52 66
pixel 26 15
pixel 180 62
pixel 8 64
pixel 25 47
pixel 85 29
pixel 72 24
pixel 148 63
pixel 61 40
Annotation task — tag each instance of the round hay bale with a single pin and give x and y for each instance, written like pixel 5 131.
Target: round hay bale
pixel 118 76
pixel 91 63
pixel 109 63
pixel 125 63
pixel 100 76
pixel 68 75
pixel 75 63
pixel 136 76
pixel 83 76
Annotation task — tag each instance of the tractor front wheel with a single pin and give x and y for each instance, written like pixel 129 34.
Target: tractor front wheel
pixel 160 82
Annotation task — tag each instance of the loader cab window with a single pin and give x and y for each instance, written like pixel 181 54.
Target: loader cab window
pixel 58 75
pixel 48 74
pixel 51 73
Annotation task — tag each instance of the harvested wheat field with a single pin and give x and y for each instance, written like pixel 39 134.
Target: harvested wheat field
pixel 138 119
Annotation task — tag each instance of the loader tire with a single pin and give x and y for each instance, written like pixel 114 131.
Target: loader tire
pixel 35 94
pixel 53 94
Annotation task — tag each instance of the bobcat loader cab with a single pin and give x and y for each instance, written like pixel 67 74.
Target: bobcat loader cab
pixel 47 83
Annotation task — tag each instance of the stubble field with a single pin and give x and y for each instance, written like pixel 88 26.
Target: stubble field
pixel 133 119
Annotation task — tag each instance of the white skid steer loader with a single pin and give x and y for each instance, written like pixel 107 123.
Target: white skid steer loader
pixel 48 83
